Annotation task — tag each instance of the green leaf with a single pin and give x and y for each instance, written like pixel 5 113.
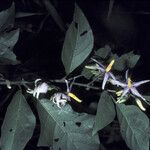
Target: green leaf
pixel 7 18
pixel 127 60
pixel 87 73
pixel 105 112
pixel 65 129
pixel 78 42
pixel 103 52
pixel 119 64
pixel 132 59
pixel 7 42
pixel 134 125
pixel 147 97
pixel 18 125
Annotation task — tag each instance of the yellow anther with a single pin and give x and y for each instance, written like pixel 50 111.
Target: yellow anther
pixel 139 103
pixel 74 97
pixel 110 66
pixel 129 83
pixel 119 93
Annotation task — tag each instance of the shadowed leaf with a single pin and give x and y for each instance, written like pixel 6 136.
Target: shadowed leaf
pixel 7 18
pixel 105 112
pixel 69 137
pixel 134 126
pixel 7 42
pixel 78 42
pixel 18 125
pixel 125 61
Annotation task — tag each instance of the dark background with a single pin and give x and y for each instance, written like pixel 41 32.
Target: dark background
pixel 128 29
pixel 39 51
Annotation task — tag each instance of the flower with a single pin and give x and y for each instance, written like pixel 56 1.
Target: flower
pixel 129 86
pixel 41 88
pixel 105 71
pixel 70 94
pixel 60 99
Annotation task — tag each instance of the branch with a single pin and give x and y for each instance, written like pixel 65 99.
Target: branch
pixel 76 84
pixel 61 81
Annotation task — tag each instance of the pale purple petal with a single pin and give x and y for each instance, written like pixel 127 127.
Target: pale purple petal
pixel 101 69
pixel 106 76
pixel 126 76
pixel 125 91
pixel 67 84
pixel 98 63
pixel 118 83
pixel 136 84
pixel 112 76
pixel 136 93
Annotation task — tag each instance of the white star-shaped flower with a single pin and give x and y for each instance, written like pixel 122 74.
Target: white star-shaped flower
pixel 60 99
pixel 41 88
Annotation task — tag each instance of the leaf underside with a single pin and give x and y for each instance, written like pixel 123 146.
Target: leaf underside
pixel 7 18
pixel 78 42
pixel 134 126
pixel 65 129
pixel 18 125
pixel 105 112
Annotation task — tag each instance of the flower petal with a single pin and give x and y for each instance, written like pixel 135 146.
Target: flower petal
pixel 67 84
pixel 101 67
pixel 29 91
pixel 126 75
pixel 118 83
pixel 125 91
pixel 106 76
pixel 136 84
pixel 135 92
pixel 112 76
pixel 36 81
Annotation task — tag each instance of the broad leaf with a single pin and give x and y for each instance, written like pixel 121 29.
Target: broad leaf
pixel 7 18
pixel 65 129
pixel 7 42
pixel 147 97
pixel 127 60
pixel 78 42
pixel 87 73
pixel 105 112
pixel 134 125
pixel 132 59
pixel 18 125
pixel 103 52
pixel 119 64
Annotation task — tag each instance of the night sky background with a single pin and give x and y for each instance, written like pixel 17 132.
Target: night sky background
pixel 39 50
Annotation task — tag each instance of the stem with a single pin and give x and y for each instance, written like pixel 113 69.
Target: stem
pixel 76 84
pixel 50 81
pixel 16 82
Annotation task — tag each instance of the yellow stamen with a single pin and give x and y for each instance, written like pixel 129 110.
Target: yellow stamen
pixel 110 66
pixel 74 97
pixel 129 83
pixel 139 103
